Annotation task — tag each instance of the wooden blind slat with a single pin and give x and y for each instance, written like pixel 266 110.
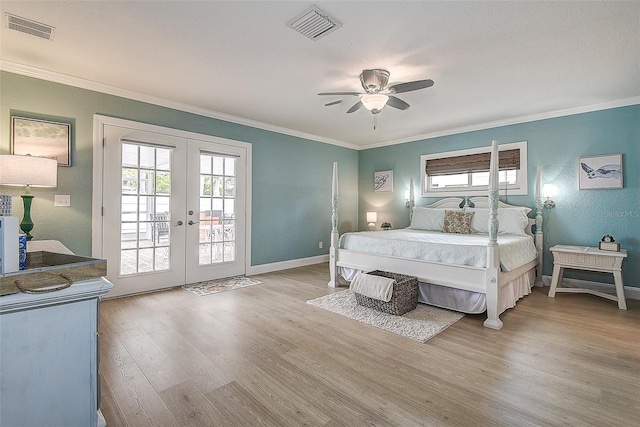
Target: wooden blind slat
pixel 508 160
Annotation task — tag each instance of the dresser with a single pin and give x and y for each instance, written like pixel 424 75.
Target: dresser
pixel 49 356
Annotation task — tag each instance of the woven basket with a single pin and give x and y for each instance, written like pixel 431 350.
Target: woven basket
pixel 403 300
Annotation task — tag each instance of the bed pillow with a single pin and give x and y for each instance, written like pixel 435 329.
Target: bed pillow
pixel 480 220
pixel 428 219
pixel 457 222
pixel 510 220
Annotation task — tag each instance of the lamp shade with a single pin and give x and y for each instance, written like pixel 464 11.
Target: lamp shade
pixel 372 217
pixel 28 170
pixel 374 101
pixel 550 190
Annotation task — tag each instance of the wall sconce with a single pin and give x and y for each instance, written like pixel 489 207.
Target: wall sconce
pixel 549 191
pixel 407 197
pixel 372 218
pixel 30 172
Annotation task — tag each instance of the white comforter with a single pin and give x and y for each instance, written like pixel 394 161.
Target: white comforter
pixel 449 248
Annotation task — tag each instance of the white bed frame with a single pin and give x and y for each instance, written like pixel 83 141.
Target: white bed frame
pixel 486 280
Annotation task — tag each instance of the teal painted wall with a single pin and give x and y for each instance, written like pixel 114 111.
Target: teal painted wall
pixel 291 210
pixel 580 217
pixel 291 176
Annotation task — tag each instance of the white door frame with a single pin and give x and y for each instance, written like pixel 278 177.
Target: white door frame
pixel 99 121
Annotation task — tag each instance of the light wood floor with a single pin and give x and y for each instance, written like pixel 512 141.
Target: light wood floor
pixel 261 356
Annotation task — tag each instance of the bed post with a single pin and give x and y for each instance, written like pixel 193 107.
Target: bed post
pixel 539 237
pixel 493 253
pixel 333 281
pixel 412 202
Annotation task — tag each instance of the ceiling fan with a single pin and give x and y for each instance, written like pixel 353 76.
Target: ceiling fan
pixel 376 93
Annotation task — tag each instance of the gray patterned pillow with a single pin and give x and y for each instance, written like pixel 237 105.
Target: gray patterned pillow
pixel 457 222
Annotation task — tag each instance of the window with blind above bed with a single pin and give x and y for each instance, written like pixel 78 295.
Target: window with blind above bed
pixel 466 172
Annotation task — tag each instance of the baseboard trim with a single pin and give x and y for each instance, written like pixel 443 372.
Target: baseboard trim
pixel 630 292
pixel 285 265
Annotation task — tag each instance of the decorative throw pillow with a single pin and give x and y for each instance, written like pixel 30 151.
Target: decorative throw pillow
pixel 457 222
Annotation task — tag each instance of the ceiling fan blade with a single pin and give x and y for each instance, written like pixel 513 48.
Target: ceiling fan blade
pixel 409 86
pixel 340 93
pixel 397 103
pixel 356 107
pixel 333 103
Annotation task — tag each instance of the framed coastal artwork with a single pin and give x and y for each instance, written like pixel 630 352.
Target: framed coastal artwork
pixel 41 138
pixel 600 172
pixel 383 181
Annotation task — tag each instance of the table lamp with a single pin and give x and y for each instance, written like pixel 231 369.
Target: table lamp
pixel 29 171
pixel 372 218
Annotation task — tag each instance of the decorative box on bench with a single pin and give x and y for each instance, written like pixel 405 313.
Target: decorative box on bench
pixel 403 300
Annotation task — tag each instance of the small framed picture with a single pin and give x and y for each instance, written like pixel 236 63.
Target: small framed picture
pixel 41 138
pixel 600 172
pixel 383 181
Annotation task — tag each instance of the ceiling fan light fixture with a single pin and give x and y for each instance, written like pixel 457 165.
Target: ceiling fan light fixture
pixel 374 102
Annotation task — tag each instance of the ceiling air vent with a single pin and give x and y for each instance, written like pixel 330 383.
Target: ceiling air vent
pixel 28 26
pixel 314 23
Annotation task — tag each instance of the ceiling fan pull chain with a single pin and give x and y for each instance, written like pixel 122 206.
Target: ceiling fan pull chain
pixel 375 121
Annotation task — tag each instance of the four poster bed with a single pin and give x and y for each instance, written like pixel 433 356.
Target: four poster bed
pixel 488 269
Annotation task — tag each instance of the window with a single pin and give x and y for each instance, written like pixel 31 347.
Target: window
pixel 466 172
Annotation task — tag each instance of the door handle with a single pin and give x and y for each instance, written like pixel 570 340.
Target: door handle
pixel 179 223
pixel 192 222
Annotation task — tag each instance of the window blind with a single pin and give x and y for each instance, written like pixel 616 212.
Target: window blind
pixel 508 160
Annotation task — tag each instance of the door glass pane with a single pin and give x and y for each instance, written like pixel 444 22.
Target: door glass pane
pixel 147 157
pixel 147 182
pixel 217 208
pixel 130 155
pixel 205 164
pixel 230 187
pixel 128 262
pixel 218 163
pixel 145 207
pixel 163 160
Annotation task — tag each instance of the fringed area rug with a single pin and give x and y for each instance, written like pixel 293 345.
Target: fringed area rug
pixel 421 324
pixel 220 285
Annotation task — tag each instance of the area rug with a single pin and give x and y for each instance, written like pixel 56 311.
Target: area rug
pixel 421 324
pixel 220 285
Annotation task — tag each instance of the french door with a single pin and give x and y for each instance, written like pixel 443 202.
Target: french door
pixel 173 209
pixel 215 211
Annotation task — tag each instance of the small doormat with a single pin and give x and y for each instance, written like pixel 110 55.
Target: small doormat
pixel 220 285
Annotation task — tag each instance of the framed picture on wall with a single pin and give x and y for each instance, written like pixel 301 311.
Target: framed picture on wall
pixel 383 181
pixel 41 138
pixel 600 172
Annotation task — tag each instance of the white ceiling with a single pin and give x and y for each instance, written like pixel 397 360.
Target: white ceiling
pixel 492 62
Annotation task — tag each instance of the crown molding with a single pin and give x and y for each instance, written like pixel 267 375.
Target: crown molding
pixel 625 102
pixel 68 80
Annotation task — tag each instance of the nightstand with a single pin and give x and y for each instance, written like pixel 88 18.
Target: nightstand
pixel 590 259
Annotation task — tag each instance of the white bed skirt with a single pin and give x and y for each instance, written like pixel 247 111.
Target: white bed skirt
pixel 466 301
